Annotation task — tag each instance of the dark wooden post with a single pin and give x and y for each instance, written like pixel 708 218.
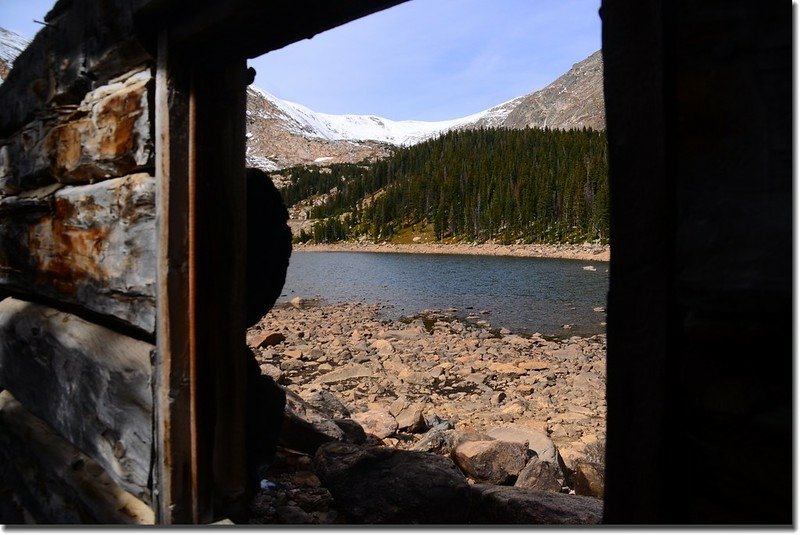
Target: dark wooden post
pixel 200 145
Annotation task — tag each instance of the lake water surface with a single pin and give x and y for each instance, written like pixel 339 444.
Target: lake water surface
pixel 525 295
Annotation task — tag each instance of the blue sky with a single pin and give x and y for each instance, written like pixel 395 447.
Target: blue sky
pixel 424 59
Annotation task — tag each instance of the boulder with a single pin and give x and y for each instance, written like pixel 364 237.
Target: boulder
pixel 537 440
pixel 377 422
pixel 262 340
pixel 493 504
pixel 305 428
pixel 380 485
pixel 327 403
pixel 410 419
pixel 353 432
pixel 540 475
pixel 491 461
pixel 382 347
pixel 439 441
pixel 589 479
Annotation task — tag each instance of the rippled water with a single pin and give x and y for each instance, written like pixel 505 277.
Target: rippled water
pixel 525 295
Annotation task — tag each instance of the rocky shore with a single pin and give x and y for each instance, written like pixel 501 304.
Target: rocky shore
pixel 504 418
pixel 587 252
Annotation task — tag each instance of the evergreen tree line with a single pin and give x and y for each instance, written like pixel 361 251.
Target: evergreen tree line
pixel 531 185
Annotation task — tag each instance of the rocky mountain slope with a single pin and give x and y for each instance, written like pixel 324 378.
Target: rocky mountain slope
pixel 574 100
pixel 283 133
pixel 11 44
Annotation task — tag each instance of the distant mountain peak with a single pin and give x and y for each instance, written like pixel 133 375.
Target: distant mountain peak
pixel 300 135
pixel 573 100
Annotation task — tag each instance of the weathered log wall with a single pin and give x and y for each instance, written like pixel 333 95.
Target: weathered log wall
pixel 78 253
pixel 89 383
pixel 106 135
pixel 91 246
pixel 48 480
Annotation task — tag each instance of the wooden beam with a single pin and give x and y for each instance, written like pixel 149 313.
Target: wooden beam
pixel 175 484
pixel 220 96
pixel 200 375
pixel 236 27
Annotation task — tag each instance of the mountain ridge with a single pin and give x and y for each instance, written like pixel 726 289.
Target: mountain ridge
pixel 282 133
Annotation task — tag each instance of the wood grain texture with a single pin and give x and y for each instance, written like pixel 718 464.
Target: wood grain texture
pixel 92 246
pixel 89 383
pixel 52 480
pixel 173 475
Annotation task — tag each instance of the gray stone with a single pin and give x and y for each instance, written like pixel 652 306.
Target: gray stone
pixel 327 403
pixel 441 441
pixel 492 504
pixel 540 475
pixel 387 486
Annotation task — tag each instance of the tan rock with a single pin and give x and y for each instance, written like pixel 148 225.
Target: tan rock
pixel 536 439
pixel 293 354
pixel 505 368
pixel 378 422
pixel 491 461
pixel 533 365
pixel 589 479
pixel 411 419
pixel 346 372
pixel 383 347
pixel 262 340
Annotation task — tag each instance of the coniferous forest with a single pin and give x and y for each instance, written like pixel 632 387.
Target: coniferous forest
pixel 531 185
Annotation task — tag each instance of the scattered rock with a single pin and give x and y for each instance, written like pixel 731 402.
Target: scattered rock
pixel 589 479
pixel 540 475
pixel 536 440
pixel 377 422
pixel 491 461
pixel 441 441
pixel 410 419
pixel 347 372
pixel 327 403
pixel 345 359
pixel 263 340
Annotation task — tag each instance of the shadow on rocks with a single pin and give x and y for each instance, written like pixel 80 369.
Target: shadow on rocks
pixel 378 485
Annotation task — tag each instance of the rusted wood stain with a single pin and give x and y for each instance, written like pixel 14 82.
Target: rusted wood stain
pixel 91 246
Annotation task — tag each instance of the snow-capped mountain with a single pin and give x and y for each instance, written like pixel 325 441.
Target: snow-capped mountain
pixel 11 45
pixel 306 122
pixel 283 133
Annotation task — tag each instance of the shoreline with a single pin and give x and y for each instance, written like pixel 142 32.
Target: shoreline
pixel 585 252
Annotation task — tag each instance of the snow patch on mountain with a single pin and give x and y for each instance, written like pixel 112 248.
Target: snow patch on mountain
pixel 309 123
pixel 11 45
